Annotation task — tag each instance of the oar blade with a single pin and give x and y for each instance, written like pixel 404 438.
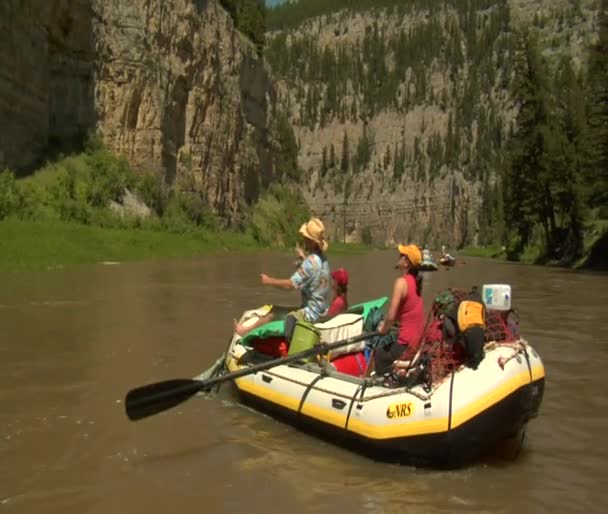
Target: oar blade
pixel 154 398
pixel 151 399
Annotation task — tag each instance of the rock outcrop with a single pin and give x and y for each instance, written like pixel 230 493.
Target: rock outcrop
pixel 46 77
pixel 181 92
pixel 168 83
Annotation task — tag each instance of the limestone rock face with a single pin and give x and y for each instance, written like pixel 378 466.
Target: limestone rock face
pixel 179 91
pixel 168 83
pixel 435 199
pixel 46 76
pixel 425 205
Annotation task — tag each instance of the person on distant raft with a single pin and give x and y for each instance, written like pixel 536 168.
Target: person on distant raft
pixel 312 279
pixel 340 290
pixel 426 254
pixel 406 308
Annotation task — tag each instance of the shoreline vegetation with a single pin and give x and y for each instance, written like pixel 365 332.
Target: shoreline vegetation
pixel 91 208
pixel 27 245
pixel 47 245
pixel 35 246
pixel 594 253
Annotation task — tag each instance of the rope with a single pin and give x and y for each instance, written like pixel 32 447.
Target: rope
pixel 519 345
pixel 390 392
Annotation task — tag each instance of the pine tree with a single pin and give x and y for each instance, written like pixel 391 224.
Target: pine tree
pixel 387 157
pixel 287 160
pixel 332 156
pixel 324 162
pixel 345 162
pixel 396 170
pixel 596 169
pixel 565 154
pixel 524 184
pixel 363 152
pixel 251 20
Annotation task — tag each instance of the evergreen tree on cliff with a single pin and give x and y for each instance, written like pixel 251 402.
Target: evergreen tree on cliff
pixel 249 17
pixel 596 176
pixel 287 156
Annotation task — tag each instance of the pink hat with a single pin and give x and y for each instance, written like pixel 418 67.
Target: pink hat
pixel 340 276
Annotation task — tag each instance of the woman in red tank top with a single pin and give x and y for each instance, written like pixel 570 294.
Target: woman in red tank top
pixel 406 308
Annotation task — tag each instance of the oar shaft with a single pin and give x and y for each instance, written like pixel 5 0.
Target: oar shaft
pixel 151 399
pixel 320 349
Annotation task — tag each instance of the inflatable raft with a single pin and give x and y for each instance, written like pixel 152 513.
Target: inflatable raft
pixel 428 264
pixel 447 260
pixel 449 423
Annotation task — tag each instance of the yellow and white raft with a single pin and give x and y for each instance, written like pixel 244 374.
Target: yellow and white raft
pixel 467 414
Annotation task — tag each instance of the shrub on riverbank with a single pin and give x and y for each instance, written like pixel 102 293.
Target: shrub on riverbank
pixel 91 187
pixel 277 216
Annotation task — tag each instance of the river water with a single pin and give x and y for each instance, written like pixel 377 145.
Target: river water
pixel 75 341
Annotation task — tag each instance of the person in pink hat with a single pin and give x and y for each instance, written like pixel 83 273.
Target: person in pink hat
pixel 339 302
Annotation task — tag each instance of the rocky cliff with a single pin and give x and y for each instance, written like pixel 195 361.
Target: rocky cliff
pixel 402 113
pixel 46 76
pixel 168 83
pixel 417 94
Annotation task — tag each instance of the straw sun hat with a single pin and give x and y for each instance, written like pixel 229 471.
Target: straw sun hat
pixel 314 230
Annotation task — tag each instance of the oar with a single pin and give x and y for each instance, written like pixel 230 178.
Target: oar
pixel 151 399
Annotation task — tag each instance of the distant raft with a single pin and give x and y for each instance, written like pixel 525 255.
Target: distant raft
pixel 447 260
pixel 446 424
pixel 428 264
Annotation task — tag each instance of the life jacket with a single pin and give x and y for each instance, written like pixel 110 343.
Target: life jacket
pixel 471 313
pixel 464 325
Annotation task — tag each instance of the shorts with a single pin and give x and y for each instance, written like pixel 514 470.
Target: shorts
pixel 290 322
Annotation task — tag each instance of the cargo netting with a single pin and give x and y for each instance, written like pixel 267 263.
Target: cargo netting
pixel 437 358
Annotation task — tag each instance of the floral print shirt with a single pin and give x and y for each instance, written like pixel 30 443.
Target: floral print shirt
pixel 313 280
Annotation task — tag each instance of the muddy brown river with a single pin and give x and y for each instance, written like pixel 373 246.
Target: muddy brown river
pixel 73 342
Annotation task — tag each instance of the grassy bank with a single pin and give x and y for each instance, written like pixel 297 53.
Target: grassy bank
pixel 31 245
pixel 491 251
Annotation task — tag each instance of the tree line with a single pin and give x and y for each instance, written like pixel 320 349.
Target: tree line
pixel 554 179
pixel 249 17
pixel 542 175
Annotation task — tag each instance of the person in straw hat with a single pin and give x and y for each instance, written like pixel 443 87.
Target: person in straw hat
pixel 406 308
pixel 312 279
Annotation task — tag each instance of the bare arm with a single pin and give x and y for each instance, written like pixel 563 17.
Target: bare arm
pixel 279 283
pixel 301 256
pixel 399 292
pixel 300 253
